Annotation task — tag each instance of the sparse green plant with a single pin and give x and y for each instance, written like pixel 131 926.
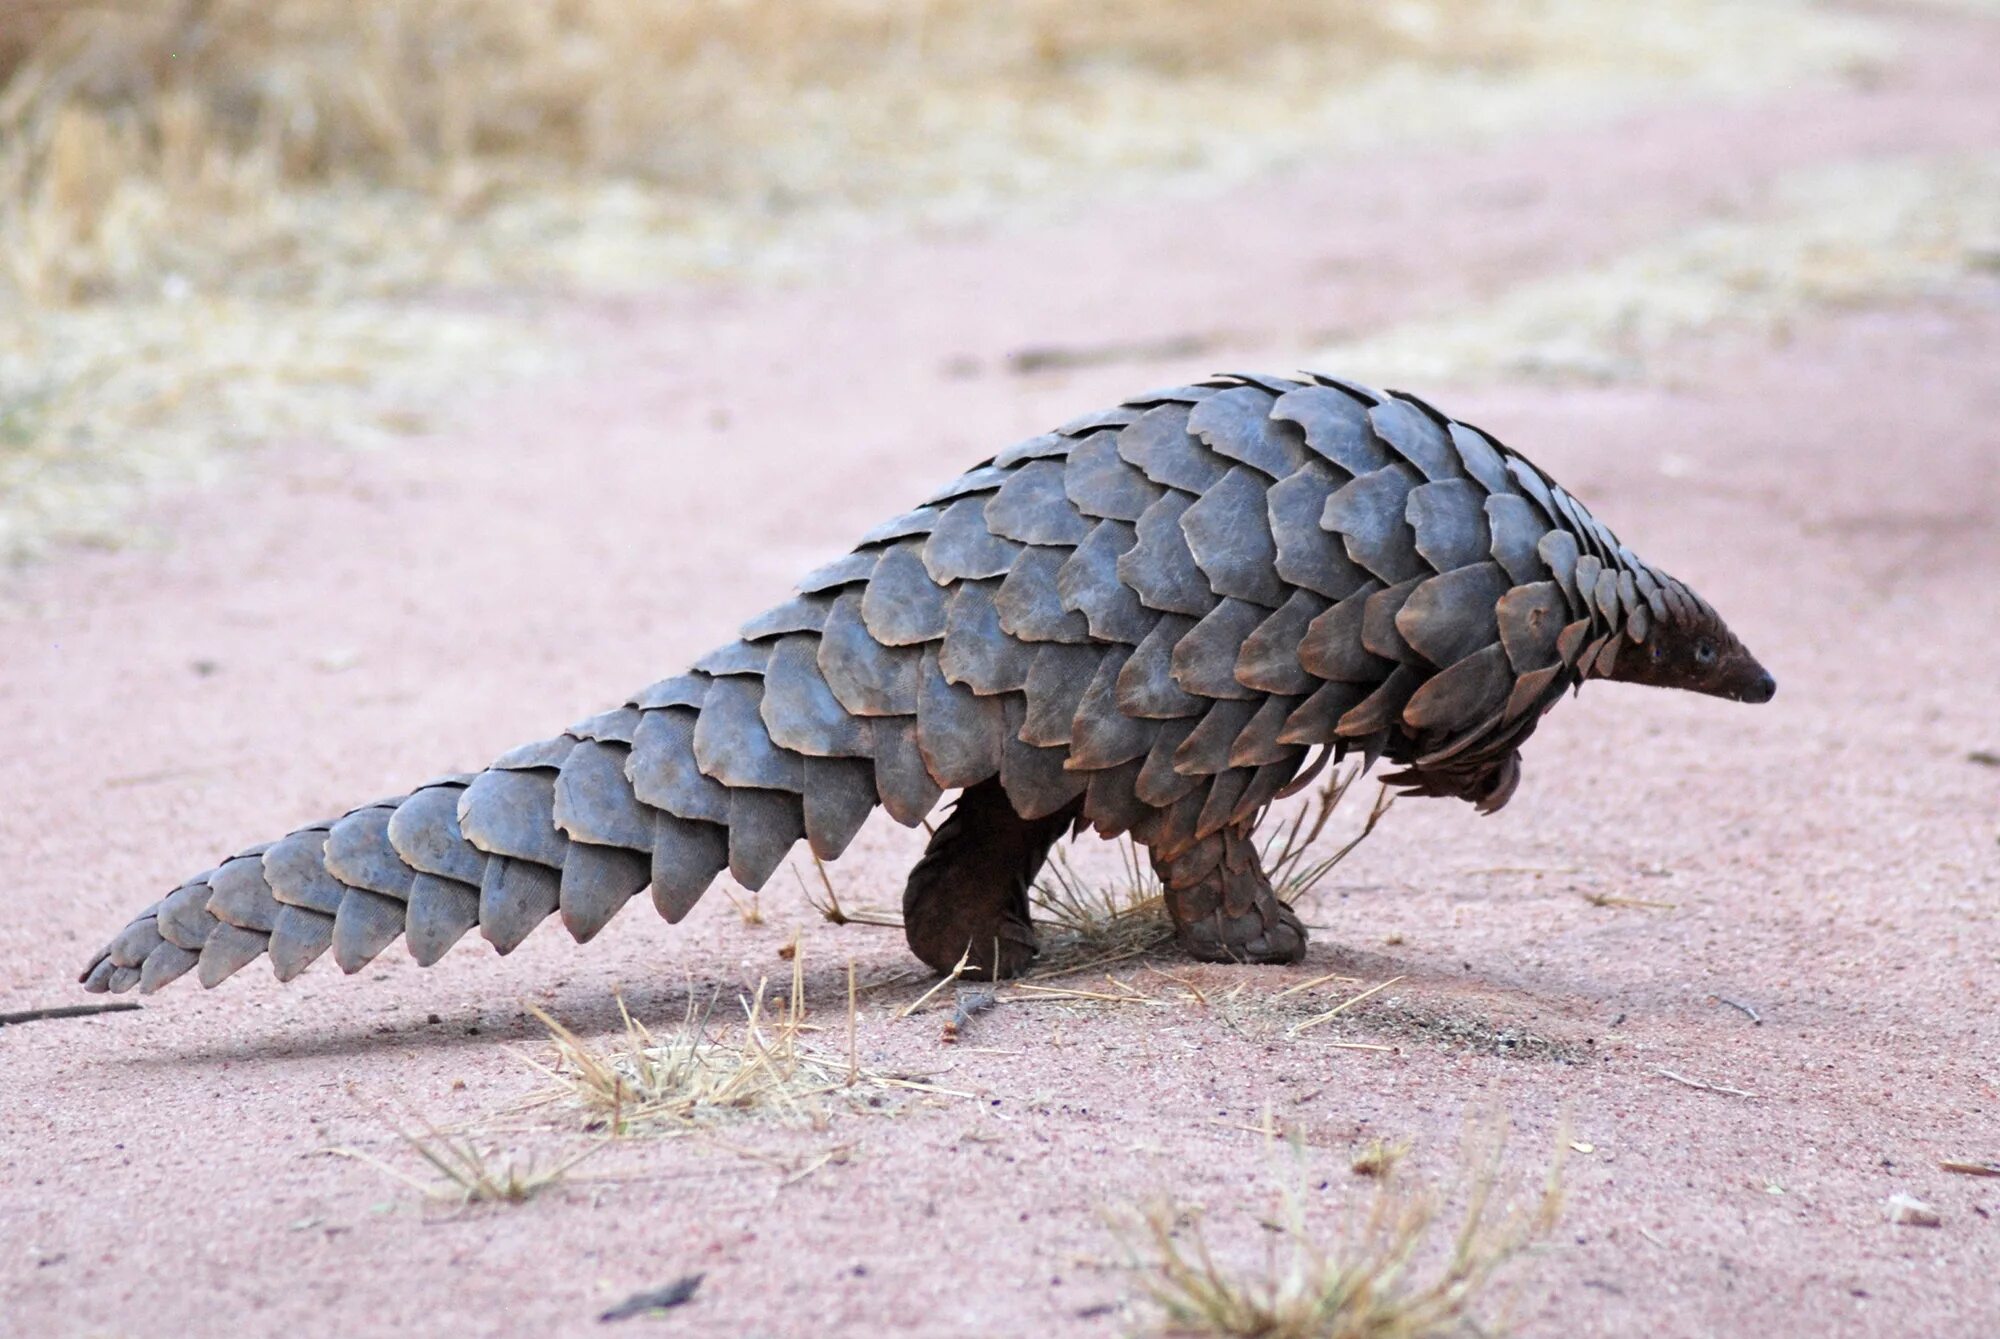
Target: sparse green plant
pixel 1395 1269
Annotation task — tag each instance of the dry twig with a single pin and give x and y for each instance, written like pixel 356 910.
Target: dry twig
pixel 1741 1008
pixel 1969 1168
pixel 1341 1008
pixel 678 1293
pixel 1697 1083
pixel 68 1011
pixel 830 909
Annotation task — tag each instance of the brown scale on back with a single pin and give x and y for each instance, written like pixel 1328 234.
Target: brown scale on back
pixel 1143 622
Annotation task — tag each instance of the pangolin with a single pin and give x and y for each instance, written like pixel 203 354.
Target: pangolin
pixel 1145 622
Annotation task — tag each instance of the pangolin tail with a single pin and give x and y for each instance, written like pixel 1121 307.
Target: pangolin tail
pixel 574 826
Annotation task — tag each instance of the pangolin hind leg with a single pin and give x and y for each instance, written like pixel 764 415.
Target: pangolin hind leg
pixel 1222 903
pixel 968 896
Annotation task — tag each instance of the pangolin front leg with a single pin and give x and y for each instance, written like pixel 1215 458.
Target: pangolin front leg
pixel 1222 903
pixel 968 896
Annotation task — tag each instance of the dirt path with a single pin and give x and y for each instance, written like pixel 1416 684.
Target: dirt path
pixel 329 628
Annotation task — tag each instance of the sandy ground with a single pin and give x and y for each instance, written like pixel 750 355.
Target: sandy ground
pixel 329 627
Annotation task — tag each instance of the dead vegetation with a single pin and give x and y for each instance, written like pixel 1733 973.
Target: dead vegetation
pixel 1091 919
pixel 466 1173
pixel 826 901
pixel 1087 920
pixel 704 1074
pixel 126 118
pixel 1378 1157
pixel 1397 1267
pixel 1326 1016
pixel 1089 915
pixel 1828 238
pixel 1290 851
pixel 227 221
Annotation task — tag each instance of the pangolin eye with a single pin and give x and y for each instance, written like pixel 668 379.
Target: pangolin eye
pixel 1704 653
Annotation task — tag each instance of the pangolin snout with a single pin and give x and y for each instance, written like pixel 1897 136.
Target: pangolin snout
pixel 1762 689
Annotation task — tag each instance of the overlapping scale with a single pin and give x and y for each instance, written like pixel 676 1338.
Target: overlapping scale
pixel 1148 614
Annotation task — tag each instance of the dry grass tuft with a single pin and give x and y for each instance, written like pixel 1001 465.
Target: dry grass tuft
pixel 1089 921
pixel 700 1075
pixel 1378 1157
pixel 1288 852
pixel 827 902
pixel 125 119
pixel 1086 920
pixel 1399 1269
pixel 468 1174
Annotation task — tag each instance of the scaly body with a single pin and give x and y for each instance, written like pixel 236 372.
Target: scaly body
pixel 1144 622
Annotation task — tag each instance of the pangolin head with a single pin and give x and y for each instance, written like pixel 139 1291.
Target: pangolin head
pixel 1693 648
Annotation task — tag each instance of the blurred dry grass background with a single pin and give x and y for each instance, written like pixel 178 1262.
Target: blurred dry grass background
pixel 219 218
pixel 1840 236
pixel 125 123
pixel 122 118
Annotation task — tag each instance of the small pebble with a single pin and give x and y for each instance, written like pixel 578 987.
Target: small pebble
pixel 1909 1211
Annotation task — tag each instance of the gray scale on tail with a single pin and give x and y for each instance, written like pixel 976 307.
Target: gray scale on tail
pixel 1142 622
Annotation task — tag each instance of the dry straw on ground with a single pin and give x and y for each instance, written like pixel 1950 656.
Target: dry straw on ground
pixel 1087 919
pixel 465 1173
pixel 705 1073
pixel 1092 912
pixel 1397 1268
pixel 1090 918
